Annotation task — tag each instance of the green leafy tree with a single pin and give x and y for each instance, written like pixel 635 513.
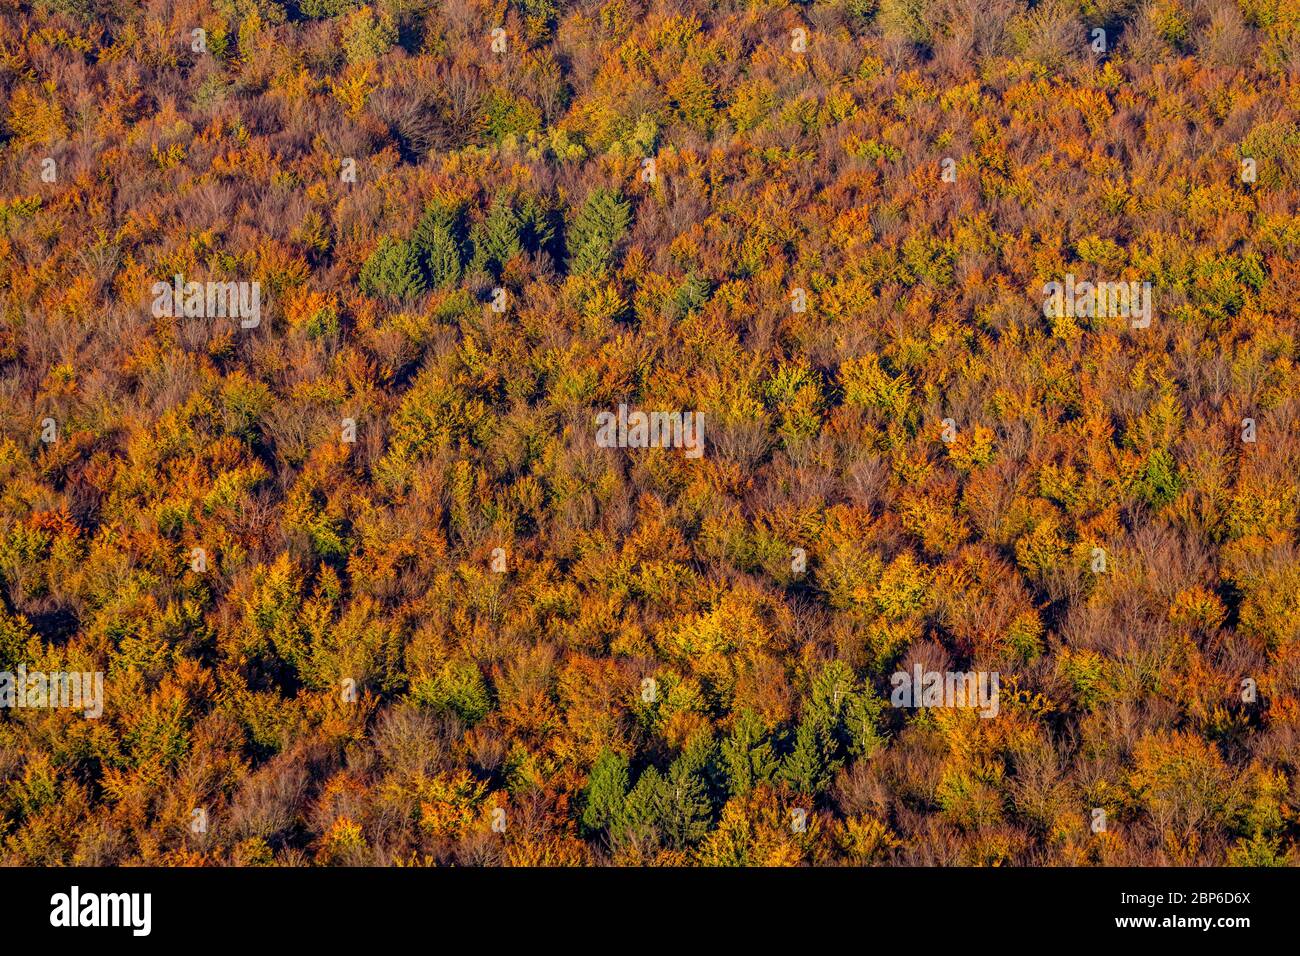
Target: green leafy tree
pixel 368 35
pixel 321 9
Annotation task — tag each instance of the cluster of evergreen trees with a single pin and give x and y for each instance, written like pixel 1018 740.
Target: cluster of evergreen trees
pixel 446 246
pixel 841 722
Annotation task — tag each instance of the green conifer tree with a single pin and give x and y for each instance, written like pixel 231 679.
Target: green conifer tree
pixel 596 231
pixel 393 272
pixel 685 809
pixel 809 767
pixel 747 755
pixel 497 239
pixel 437 246
pixel 537 224
pixel 606 793
pixel 643 810
pixel 841 719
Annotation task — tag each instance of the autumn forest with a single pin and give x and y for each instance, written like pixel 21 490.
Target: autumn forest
pixel 649 432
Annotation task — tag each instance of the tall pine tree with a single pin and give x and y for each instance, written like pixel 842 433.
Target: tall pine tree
pixel 393 272
pixel 606 793
pixel 497 239
pixel 437 244
pixel 596 231
pixel 747 755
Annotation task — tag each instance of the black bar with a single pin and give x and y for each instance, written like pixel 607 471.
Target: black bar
pixel 917 908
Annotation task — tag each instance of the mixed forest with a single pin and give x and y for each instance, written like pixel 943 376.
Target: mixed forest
pixel 363 587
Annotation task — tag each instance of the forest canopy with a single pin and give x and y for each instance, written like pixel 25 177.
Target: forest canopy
pixel 308 311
